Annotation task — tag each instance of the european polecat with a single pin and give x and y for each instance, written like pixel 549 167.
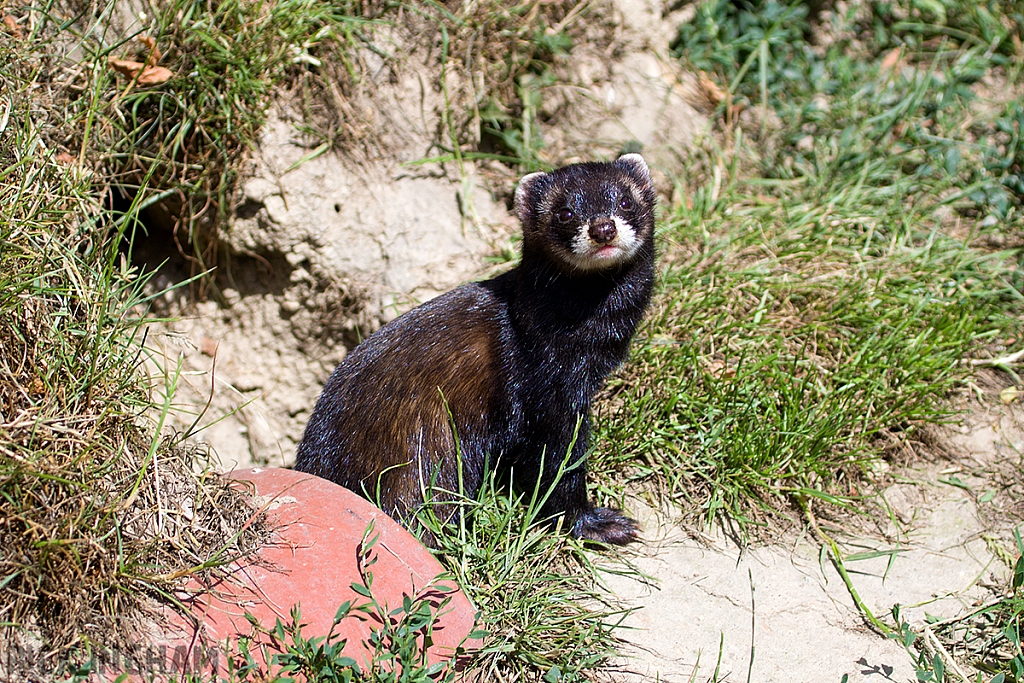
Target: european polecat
pixel 512 362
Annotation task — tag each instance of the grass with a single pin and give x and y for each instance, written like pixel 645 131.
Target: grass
pixel 540 601
pixel 848 240
pixel 91 491
pixel 825 280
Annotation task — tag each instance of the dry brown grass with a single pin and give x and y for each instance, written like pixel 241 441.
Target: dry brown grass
pixel 99 511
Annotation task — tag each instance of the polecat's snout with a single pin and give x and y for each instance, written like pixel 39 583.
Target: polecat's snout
pixel 602 230
pixel 603 242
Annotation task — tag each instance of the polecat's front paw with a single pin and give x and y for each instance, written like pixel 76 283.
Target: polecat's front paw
pixel 605 525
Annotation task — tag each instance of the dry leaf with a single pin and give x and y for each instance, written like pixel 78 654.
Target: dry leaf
pixel 711 89
pixel 12 25
pixel 155 75
pixel 1008 395
pixel 154 51
pixel 147 75
pixel 65 158
pixel 125 66
pixel 890 60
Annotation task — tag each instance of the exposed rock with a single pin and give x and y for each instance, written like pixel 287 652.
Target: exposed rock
pixel 628 93
pixel 394 236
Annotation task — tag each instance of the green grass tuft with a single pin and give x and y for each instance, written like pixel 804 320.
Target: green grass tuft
pixel 181 143
pixel 98 509
pixel 537 591
pixel 828 272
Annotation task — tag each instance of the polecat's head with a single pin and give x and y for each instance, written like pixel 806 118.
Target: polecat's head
pixel 589 217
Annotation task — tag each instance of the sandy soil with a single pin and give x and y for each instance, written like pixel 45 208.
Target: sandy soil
pixel 785 606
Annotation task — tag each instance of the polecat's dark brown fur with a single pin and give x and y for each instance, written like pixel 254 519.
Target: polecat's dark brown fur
pixel 516 360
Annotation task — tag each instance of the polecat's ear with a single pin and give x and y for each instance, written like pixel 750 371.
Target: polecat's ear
pixel 635 164
pixel 524 193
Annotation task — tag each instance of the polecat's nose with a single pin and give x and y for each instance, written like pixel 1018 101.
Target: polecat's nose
pixel 602 230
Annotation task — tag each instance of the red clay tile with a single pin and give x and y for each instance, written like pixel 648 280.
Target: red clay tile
pixel 312 561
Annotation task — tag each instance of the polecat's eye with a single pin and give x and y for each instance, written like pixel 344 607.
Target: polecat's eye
pixel 563 215
pixel 625 204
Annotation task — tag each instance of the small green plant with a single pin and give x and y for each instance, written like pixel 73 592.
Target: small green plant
pixel 516 136
pixel 396 649
pixel 987 637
